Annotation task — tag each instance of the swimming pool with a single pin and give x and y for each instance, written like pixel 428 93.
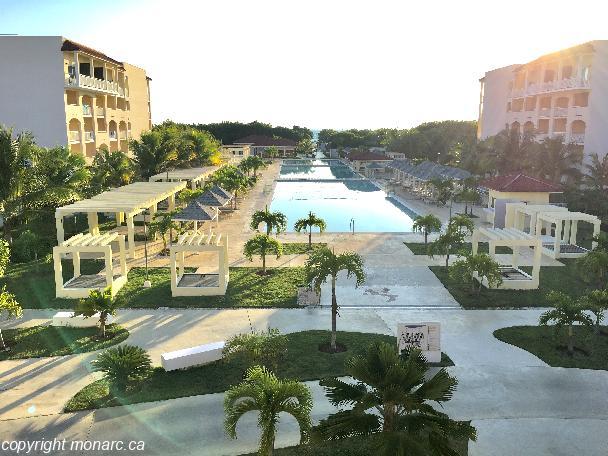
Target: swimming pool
pixel 317 172
pixel 341 202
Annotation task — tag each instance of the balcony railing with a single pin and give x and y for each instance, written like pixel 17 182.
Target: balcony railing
pixel 89 136
pixel 100 112
pixel 544 112
pixel 86 110
pixel 560 112
pixel 113 136
pixel 577 138
pixel 89 82
pixel 74 136
pixel 551 86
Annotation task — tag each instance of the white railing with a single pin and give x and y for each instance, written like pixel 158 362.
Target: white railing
pixel 112 135
pixel 562 84
pixel 544 112
pixel 91 82
pixel 560 112
pixel 74 136
pixel 89 136
pixel 86 110
pixel 577 138
pixel 100 112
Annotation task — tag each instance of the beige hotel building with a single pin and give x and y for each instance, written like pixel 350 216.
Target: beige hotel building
pixel 67 93
pixel 560 94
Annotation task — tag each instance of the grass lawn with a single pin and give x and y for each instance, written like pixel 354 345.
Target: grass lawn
pixel 591 350
pixel 419 248
pixel 556 278
pixel 40 341
pixel 245 289
pixel 296 248
pixel 303 362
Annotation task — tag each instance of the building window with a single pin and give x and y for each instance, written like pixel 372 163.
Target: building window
pixel 543 126
pixel 581 99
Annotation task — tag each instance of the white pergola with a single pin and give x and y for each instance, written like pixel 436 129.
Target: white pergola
pixel 563 244
pixel 126 201
pixel 517 214
pixel 80 285
pixel 197 284
pixel 195 176
pixel 513 277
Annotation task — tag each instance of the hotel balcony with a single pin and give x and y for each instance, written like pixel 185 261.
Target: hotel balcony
pixel 560 112
pixel 91 83
pixel 100 112
pixel 577 138
pixel 551 86
pixel 544 112
pixel 123 135
pixel 87 111
pixel 89 136
pixel 112 135
pixel 74 137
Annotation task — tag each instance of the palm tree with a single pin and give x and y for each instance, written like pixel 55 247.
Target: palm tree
pixel 391 400
pixel 597 303
pixel 257 163
pixel 9 309
pixel 460 222
pixel 111 169
pixel 232 179
pixel 155 152
pixel 322 264
pixel 262 245
pixel 448 242
pixel 308 223
pixel 597 175
pixel 122 365
pixel 426 224
pixel 567 312
pixel 556 159
pixel 276 221
pixel 262 391
pixel 162 224
pixel 593 268
pixel 98 301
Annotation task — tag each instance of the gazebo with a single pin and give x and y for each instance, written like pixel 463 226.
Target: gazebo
pixel 80 285
pixel 199 284
pixel 196 212
pixel 513 277
pixel 563 244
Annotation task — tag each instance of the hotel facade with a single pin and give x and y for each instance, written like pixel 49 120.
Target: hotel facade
pixel 561 94
pixel 66 93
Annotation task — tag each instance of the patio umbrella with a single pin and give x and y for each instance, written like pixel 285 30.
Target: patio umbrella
pixel 195 212
pixel 216 189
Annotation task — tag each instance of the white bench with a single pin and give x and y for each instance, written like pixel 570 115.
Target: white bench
pixel 192 356
pixel 79 321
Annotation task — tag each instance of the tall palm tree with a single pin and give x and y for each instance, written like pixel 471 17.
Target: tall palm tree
pixel 556 160
pixel 391 400
pixel 323 264
pixel 426 224
pixel 593 268
pixel 597 172
pixel 262 391
pixel 597 303
pixel 566 313
pixel 262 245
pixel 461 222
pixel 257 163
pixel 98 301
pixel 232 179
pixel 308 223
pixel 276 221
pixel 155 152
pixel 111 169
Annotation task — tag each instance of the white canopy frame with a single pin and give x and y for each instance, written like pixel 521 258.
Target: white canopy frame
pixel 564 244
pixel 517 214
pixel 80 285
pixel 192 284
pixel 513 277
pixel 194 176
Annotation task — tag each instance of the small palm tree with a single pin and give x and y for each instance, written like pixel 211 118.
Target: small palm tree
pixel 262 391
pixel 567 312
pixel 426 224
pixel 122 365
pixel 593 268
pixel 257 163
pixel 163 224
pixel 597 175
pixel 475 269
pixel 308 223
pixel 391 400
pixel 597 303
pixel 98 301
pixel 322 264
pixel 111 169
pixel 265 348
pixel 448 242
pixel 9 310
pixel 462 223
pixel 262 245
pixel 276 221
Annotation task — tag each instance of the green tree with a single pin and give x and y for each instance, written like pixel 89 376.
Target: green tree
pixel 449 241
pixel 155 152
pixel 566 313
pixel 462 222
pixel 231 179
pixel 481 265
pixel 199 148
pixel 257 163
pixel 9 310
pixel 264 348
pixel 271 152
pixel 597 303
pixel 426 224
pixel 391 400
pixel 444 190
pixel 305 146
pixel 597 172
pixel 163 224
pixel 308 223
pixel 276 221
pixel 122 366
pixel 323 264
pixel 111 169
pixel 99 301
pixel 556 160
pixel 593 268
pixel 5 256
pixel 262 245
pixel 262 391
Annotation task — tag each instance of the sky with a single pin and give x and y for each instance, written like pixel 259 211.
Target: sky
pixel 314 63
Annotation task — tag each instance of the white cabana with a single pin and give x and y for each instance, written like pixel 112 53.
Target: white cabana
pixel 523 216
pixel 199 284
pixel 126 201
pixel 194 176
pixel 80 285
pixel 563 244
pixel 513 277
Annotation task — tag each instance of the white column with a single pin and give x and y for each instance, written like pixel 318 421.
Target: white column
pixel 76 263
pixel 59 226
pixel 93 223
pixel 566 234
pixel 171 203
pixel 558 237
pixel 131 235
pixel 120 218
pixel 122 255
pixel 77 67
pixel 109 272
pixel 172 260
pixel 596 232
pixel 515 257
pixel 536 265
pixel 573 230
pixel 58 272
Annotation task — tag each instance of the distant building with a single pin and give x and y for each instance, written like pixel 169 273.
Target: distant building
pixel 66 93
pixel 361 160
pixel 259 144
pixel 235 151
pixel 564 93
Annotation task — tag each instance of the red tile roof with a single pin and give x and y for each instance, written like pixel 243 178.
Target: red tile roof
pixel 357 155
pixel 69 45
pixel 265 141
pixel 520 183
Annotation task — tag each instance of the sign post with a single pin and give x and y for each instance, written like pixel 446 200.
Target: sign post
pixel 425 336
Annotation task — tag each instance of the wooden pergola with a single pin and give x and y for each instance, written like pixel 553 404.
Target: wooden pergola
pixel 513 277
pixel 80 285
pixel 197 284
pixel 126 201
pixel 563 244
pixel 194 176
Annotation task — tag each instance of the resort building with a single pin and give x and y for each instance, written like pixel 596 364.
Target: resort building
pixel 235 151
pixel 67 93
pixel 259 144
pixel 361 160
pixel 560 94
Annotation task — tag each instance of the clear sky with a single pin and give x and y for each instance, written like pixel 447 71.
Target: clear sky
pixel 315 63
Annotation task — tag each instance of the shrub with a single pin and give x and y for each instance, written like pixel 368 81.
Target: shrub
pixel 26 247
pixel 5 255
pixel 122 366
pixel 264 348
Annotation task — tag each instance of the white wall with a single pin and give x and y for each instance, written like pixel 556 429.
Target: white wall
pixel 596 132
pixel 494 110
pixel 32 87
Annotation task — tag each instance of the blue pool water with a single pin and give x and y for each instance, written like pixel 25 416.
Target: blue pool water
pixel 316 172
